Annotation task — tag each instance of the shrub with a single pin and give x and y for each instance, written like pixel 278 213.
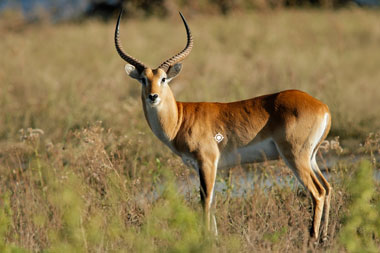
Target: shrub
pixel 361 228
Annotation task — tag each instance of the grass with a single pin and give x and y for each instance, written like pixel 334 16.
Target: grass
pixel 72 183
pixel 362 222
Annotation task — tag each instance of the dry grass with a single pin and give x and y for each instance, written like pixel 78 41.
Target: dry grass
pixel 109 186
pixel 74 69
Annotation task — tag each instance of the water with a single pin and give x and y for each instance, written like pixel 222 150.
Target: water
pixel 56 9
pixel 243 183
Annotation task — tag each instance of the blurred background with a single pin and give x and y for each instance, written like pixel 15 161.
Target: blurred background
pixel 324 47
pixel 58 10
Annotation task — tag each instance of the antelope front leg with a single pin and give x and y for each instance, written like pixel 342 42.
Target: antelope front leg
pixel 207 175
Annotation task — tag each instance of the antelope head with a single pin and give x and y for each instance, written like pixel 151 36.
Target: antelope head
pixel 155 89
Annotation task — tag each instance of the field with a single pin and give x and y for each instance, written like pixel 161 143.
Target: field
pixel 80 170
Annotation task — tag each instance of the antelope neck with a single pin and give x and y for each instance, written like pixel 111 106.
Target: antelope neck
pixel 164 119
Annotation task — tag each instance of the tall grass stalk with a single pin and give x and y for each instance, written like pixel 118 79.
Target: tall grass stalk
pixel 360 232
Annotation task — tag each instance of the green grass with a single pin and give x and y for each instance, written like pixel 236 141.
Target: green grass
pixel 362 221
pixel 85 185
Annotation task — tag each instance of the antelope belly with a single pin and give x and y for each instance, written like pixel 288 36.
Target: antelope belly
pixel 254 152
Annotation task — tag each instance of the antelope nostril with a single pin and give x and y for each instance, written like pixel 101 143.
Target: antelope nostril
pixel 153 97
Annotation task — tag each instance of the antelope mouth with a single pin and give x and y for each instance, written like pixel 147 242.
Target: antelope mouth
pixel 155 102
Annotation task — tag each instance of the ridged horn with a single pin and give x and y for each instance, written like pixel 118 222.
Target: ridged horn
pixel 184 53
pixel 131 60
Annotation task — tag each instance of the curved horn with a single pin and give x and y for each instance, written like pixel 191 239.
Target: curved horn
pixel 184 53
pixel 136 63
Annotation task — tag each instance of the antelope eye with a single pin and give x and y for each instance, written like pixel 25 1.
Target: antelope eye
pixel 163 80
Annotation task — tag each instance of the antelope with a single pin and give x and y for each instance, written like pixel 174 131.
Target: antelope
pixel 209 136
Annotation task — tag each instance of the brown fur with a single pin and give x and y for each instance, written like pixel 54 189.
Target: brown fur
pixel 290 118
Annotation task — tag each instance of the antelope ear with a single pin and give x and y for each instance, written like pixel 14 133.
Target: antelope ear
pixel 174 70
pixel 132 71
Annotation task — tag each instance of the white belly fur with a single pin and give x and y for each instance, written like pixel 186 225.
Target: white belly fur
pixel 255 152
